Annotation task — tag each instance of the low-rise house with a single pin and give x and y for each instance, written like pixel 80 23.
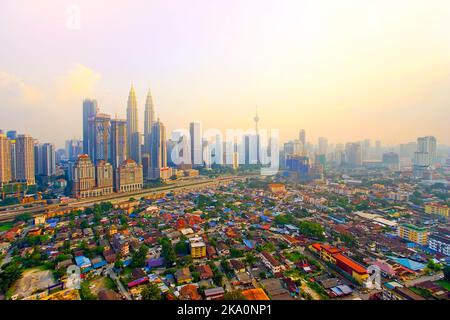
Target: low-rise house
pixel 183 275
pixel 237 266
pixel 205 272
pixel 270 262
pixel 214 293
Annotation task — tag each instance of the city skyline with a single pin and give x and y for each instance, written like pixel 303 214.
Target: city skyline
pixel 324 77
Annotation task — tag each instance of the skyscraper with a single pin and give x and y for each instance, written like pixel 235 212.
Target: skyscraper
pixel 12 134
pixel 133 136
pixel 158 152
pixel 5 160
pixel 25 159
pixel 118 142
pixel 73 149
pixel 425 156
pixel 353 154
pixel 48 160
pixel 99 136
pixel 195 130
pixel 149 118
pixel 90 110
pixel 323 146
pixel 302 137
pixel 258 142
pixel 44 159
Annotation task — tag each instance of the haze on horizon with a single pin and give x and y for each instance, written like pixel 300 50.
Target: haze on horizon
pixel 346 70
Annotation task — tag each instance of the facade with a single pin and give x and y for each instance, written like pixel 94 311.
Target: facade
pixel 45 160
pixel 391 160
pixel 25 159
pixel 5 160
pixel 90 110
pixel 89 180
pixel 83 177
pixel 273 264
pixel 158 153
pixel 335 256
pixel 437 209
pixel 197 247
pixel 353 154
pixel 439 243
pixel 128 177
pixel 195 130
pixel 99 138
pixel 413 233
pixel 73 148
pixel 118 142
pixel 424 157
pixel 104 179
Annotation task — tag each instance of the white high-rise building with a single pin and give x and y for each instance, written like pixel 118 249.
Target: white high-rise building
pixel 195 130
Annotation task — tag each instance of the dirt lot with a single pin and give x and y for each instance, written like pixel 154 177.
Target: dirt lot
pixel 98 284
pixel 32 280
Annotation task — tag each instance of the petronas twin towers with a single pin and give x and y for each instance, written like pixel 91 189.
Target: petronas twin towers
pixel 134 137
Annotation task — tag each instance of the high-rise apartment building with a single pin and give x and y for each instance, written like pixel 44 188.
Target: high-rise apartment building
pixel 5 159
pixel 353 154
pixel 44 159
pixel 25 159
pixel 425 156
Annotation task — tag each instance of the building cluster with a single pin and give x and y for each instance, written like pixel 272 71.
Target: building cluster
pixel 23 159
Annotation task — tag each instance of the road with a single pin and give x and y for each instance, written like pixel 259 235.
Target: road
pixel 434 277
pixel 122 289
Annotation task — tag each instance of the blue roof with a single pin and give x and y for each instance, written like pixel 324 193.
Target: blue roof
pixel 408 263
pixel 249 243
pixel 126 263
pixel 99 264
pixel 82 261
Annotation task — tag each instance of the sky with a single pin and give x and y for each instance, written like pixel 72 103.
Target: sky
pixel 346 70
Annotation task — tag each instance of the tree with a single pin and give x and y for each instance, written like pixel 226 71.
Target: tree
pixel 234 295
pixel 139 257
pixel 151 292
pixel 311 229
pixel 22 217
pixel 250 258
pixel 447 273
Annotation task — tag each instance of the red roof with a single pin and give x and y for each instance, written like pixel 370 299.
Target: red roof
pixel 350 263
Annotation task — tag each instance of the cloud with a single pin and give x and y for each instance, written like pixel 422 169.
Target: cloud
pixel 78 81
pixel 16 91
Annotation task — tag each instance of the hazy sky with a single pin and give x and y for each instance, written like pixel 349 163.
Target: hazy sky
pixel 346 69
